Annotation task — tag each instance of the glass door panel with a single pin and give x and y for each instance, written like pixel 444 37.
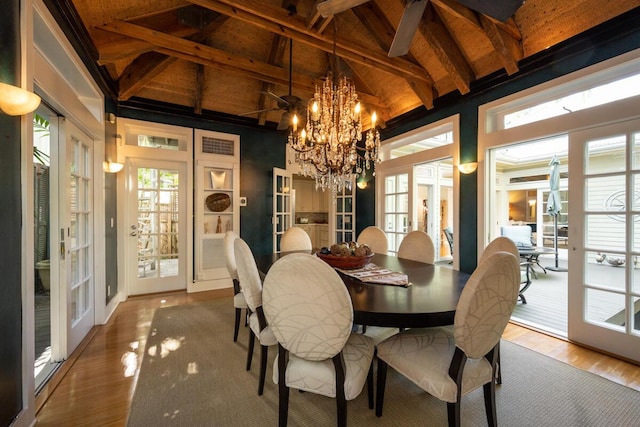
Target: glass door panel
pixel 283 211
pixel 603 293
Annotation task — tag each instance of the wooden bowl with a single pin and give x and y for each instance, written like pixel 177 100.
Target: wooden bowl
pixel 345 262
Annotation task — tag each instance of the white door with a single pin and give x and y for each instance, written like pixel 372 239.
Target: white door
pixel 342 215
pixel 397 207
pixel 283 208
pixel 157 226
pixel 604 219
pixel 76 236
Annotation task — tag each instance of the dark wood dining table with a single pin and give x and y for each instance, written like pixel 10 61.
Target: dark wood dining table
pixel 430 300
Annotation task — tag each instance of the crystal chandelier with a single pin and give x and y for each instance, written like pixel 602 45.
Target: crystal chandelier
pixel 327 147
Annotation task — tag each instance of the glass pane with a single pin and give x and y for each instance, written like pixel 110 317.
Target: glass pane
pixel 340 204
pixel 635 319
pixel 75 305
pixel 605 155
pixel 605 307
pixel 74 267
pixel 158 142
pixel 389 222
pixel 348 220
pixel 403 183
pixel 390 184
pixel 340 222
pixel 348 236
pixel 403 203
pixel 605 233
pixel 348 204
pixel 635 276
pixel 636 234
pixel 426 143
pixel 389 203
pixel 635 146
pixel 605 194
pixel 606 270
pixel 169 266
pixel 402 221
pixel 73 194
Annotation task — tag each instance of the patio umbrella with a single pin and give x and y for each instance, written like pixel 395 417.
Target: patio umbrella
pixel 554 205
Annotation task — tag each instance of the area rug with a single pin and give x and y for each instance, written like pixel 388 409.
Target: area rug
pixel 193 374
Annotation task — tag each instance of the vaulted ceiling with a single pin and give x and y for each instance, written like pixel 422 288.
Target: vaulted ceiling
pixel 232 56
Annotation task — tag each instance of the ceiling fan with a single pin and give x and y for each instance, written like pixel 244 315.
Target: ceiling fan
pixel 290 104
pixel 413 11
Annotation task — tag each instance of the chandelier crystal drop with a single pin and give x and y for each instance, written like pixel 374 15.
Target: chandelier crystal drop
pixel 327 148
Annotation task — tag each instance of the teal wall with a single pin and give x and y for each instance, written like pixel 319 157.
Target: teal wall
pixel 10 224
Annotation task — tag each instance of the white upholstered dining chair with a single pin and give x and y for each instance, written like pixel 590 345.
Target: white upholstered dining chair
pixel 310 311
pixel 375 238
pixel 449 363
pixel 239 303
pixel 417 246
pixel 251 286
pixel 295 239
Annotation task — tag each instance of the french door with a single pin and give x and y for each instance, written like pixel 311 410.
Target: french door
pixel 75 237
pixel 397 206
pixel 604 237
pixel 157 228
pixel 342 215
pixel 282 205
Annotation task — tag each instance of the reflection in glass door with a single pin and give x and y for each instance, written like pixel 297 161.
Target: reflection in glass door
pixel 604 304
pixel 158 228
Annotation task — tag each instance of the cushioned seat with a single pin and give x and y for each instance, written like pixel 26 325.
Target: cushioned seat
pixel 251 285
pixel 417 246
pixel 295 239
pixel 310 312
pixel 375 238
pixel 239 303
pixel 449 363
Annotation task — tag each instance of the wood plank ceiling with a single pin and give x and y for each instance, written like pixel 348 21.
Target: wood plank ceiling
pixel 225 55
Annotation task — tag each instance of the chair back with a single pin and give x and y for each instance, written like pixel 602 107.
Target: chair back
pixel 417 246
pixel 448 234
pixel 295 239
pixel 248 274
pixel 499 244
pixel 375 238
pixel 229 254
pixel 486 304
pixel 307 306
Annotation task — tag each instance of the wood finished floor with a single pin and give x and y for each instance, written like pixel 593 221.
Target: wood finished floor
pixel 93 389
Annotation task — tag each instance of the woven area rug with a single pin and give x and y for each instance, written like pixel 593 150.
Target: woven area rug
pixel 193 374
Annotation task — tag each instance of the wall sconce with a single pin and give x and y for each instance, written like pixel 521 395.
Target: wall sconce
pixel 112 167
pixel 467 168
pixel 16 101
pixel 361 184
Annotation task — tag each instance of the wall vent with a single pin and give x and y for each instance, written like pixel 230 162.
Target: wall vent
pixel 224 147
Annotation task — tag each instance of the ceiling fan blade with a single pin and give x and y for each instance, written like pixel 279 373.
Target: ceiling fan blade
pixel 498 9
pixel 331 7
pixel 411 17
pixel 249 113
pixel 276 97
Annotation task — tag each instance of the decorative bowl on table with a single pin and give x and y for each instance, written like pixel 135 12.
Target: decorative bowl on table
pixel 345 262
pixel 346 255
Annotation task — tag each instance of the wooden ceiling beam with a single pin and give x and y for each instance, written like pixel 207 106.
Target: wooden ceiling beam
pixel 446 49
pixel 207 55
pixel 293 26
pixel 147 66
pixel 141 71
pixel 379 27
pixel 499 43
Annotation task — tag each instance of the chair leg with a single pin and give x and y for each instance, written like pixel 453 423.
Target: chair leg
pixel 370 385
pixel 264 351
pixel 453 413
pixel 250 350
pixel 341 401
pixel 283 390
pixel 498 375
pixel 237 324
pixel 382 379
pixel 490 403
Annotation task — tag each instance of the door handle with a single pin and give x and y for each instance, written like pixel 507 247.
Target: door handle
pixel 133 233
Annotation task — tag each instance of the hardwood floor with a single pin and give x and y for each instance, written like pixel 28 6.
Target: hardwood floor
pixel 95 386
